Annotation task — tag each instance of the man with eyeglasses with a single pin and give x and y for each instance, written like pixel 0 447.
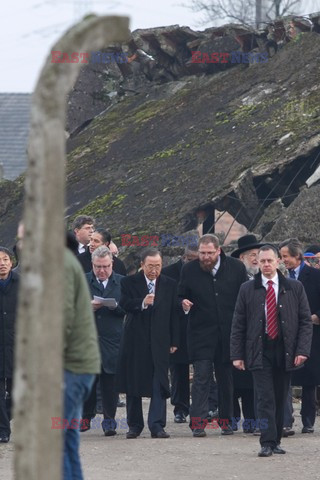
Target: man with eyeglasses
pixel 208 289
pixel 83 228
pixel 150 334
pixel 103 282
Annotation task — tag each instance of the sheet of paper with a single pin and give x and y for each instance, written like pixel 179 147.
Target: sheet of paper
pixel 107 302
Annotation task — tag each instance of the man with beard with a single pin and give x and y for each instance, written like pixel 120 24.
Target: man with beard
pixel 208 289
pixel 247 252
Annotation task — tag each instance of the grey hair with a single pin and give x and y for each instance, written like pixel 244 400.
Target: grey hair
pixel 101 252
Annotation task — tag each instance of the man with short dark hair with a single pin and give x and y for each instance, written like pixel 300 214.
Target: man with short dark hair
pixel 271 336
pixel 9 283
pixel 208 289
pixel 151 333
pixel 83 227
pixel 309 376
pixel 100 237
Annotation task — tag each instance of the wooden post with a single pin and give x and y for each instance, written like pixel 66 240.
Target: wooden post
pixel 39 343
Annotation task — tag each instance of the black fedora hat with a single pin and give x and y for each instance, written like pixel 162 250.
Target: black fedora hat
pixel 245 243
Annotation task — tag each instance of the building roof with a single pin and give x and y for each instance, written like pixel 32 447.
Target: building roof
pixel 14 129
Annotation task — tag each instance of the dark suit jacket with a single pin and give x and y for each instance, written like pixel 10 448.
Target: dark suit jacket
pixel 85 260
pixel 147 336
pixel 181 355
pixel 109 322
pixel 310 373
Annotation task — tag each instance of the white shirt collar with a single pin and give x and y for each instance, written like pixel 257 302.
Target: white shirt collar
pixel 265 280
pixel 217 265
pixel 150 281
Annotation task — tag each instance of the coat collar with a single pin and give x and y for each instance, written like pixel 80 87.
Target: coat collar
pixel 284 284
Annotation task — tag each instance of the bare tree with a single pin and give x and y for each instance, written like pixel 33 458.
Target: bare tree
pixel 39 344
pixel 246 12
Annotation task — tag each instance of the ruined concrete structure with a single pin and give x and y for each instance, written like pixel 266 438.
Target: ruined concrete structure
pixel 158 142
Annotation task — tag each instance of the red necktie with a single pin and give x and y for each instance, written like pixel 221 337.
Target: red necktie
pixel 272 325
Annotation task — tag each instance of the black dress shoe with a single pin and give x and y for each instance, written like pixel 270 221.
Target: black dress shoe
pixel 279 450
pixel 213 414
pixel 132 434
pixel 287 432
pixel 198 432
pixel 307 430
pixel 121 404
pixel 4 439
pixel 180 418
pixel 265 452
pixel 109 433
pixel 160 434
pixel 227 430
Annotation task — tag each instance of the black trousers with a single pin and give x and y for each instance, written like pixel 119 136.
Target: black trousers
pixel 5 406
pixel 271 384
pixel 308 406
pixel 157 415
pixel 180 388
pixel 109 401
pixel 202 375
pixel 247 404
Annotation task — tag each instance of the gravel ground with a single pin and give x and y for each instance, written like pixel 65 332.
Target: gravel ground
pixel 183 457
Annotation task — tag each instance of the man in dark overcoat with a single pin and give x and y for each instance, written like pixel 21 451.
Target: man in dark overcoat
pixel 309 376
pixel 151 333
pixel 9 283
pixel 103 282
pixel 208 289
pixel 271 336
pixel 179 361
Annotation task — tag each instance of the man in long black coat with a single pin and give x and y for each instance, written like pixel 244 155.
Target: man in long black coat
pixel 309 376
pixel 9 282
pixel 151 333
pixel 208 288
pixel 271 336
pixel 179 361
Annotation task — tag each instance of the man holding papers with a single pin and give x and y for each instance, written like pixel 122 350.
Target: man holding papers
pixel 104 286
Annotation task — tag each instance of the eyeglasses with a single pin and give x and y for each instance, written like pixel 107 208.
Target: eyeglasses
pixel 153 267
pixel 102 267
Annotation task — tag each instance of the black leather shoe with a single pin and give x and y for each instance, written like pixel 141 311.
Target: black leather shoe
pixel 180 418
pixel 160 434
pixel 279 450
pixel 198 432
pixel 4 439
pixel 121 404
pixel 307 430
pixel 109 433
pixel 265 452
pixel 132 434
pixel 287 432
pixel 227 430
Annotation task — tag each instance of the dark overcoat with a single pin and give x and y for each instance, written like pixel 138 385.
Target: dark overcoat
pixel 310 373
pixel 213 300
pixel 147 335
pixel 181 355
pixel 109 322
pixel 248 324
pixel 8 312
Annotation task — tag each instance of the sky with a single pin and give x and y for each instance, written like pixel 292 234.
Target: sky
pixel 29 29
